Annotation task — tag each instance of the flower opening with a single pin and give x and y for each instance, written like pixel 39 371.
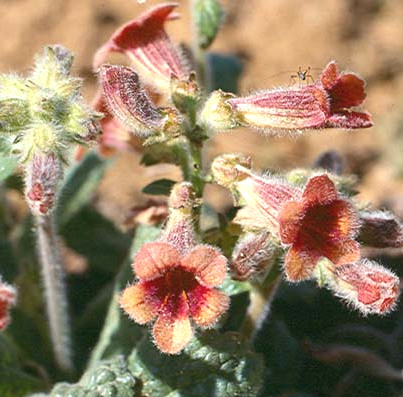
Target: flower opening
pixel 173 288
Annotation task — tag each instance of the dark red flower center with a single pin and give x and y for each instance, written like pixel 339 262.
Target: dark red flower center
pixel 320 227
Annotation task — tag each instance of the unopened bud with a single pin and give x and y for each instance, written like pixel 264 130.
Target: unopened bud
pixel 42 176
pixel 381 229
pixel 366 285
pixel 217 114
pixel 179 230
pixel 182 196
pixel 228 169
pixel 253 256
pixel 185 93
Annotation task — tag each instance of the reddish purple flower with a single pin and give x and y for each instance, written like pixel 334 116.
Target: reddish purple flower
pixel 8 297
pixel 325 104
pixel 177 279
pixel 314 223
pixel 320 224
pixel 173 288
pixel 149 48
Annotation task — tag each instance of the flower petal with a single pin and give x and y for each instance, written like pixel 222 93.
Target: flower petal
pixel 206 305
pixel 329 75
pixel 348 252
pixel 148 46
pixel 171 334
pixel 154 259
pixel 290 218
pixel 141 301
pixel 319 190
pixel 347 119
pixel 347 91
pixel 208 265
pixel 8 299
pixel 299 263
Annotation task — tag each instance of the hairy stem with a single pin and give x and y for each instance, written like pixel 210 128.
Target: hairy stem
pixel 55 290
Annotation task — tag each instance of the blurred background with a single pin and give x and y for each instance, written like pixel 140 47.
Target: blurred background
pixel 272 39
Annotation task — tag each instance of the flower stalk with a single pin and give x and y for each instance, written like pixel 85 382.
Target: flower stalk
pixel 55 290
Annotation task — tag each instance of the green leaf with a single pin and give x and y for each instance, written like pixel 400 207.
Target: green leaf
pixel 108 379
pixel 80 184
pixel 208 18
pixel 119 334
pixel 225 72
pixel 14 382
pixel 159 187
pixel 96 238
pixel 213 364
pixel 8 165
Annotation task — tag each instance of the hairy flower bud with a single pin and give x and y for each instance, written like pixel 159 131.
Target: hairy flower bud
pixel 185 94
pixel 253 256
pixel 381 229
pixel 366 285
pixel 44 112
pixel 228 169
pixel 217 114
pixel 43 174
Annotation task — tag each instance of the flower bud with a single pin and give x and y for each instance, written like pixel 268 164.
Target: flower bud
pixel 366 285
pixel 217 113
pixel 179 230
pixel 227 169
pixel 185 93
pixel 128 101
pixel 43 174
pixel 253 255
pixel 381 229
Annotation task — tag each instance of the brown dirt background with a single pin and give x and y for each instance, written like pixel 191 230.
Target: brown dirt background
pixel 271 36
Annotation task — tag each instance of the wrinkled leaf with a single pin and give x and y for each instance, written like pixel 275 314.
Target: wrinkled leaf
pixel 213 364
pixel 159 187
pixel 108 379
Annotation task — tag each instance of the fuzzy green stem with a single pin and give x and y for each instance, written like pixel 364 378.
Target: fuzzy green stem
pixel 55 290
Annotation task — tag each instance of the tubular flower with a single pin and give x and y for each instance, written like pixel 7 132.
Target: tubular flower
pixel 7 299
pixel 366 285
pixel 325 104
pixel 128 101
pixel 177 281
pixel 148 46
pixel 314 223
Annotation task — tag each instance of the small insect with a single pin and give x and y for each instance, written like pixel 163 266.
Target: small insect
pixel 302 75
pixel 299 76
